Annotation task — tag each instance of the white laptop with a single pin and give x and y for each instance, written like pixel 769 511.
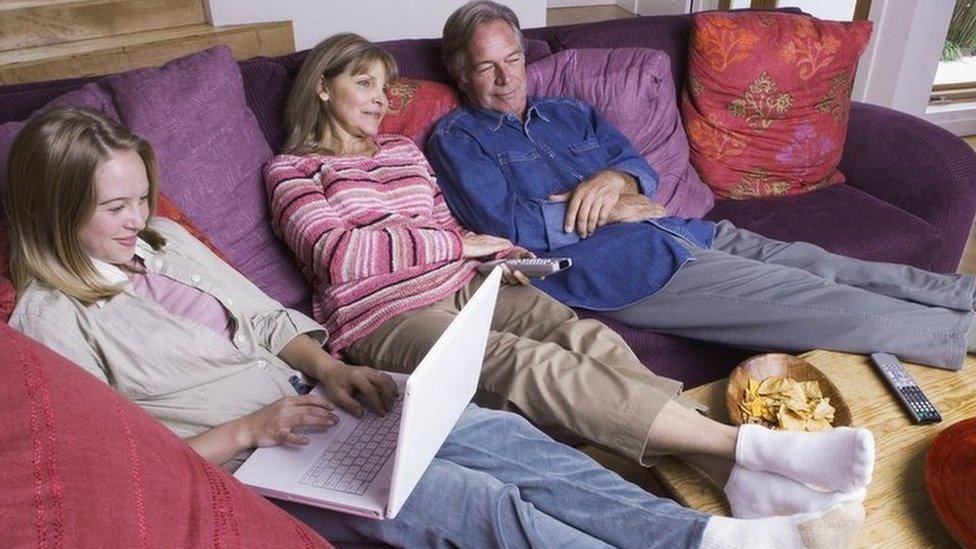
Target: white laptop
pixel 369 466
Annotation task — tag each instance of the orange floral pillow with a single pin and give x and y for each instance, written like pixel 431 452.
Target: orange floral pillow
pixel 415 106
pixel 766 102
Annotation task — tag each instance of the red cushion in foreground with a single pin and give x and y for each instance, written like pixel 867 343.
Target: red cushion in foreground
pixel 83 467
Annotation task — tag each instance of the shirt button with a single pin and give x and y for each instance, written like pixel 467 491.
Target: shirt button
pixel 195 278
pixel 262 364
pixel 158 263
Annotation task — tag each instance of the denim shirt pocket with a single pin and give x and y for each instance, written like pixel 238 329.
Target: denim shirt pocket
pixel 527 172
pixel 585 146
pixel 515 157
pixel 587 157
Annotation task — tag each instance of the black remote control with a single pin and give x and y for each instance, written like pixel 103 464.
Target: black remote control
pixel 908 392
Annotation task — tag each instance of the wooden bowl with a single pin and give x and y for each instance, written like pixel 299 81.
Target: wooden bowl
pixel 760 367
pixel 950 476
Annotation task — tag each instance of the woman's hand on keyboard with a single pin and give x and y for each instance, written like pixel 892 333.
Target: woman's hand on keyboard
pixel 273 424
pixel 353 387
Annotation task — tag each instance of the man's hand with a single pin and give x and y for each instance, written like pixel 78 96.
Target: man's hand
pixel 631 208
pixel 272 425
pixel 481 245
pixel 590 204
pixel 351 387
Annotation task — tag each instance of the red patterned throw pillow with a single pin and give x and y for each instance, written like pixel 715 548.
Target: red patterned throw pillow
pixel 767 98
pixel 415 106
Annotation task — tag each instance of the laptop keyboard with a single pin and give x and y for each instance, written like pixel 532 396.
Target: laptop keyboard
pixel 352 462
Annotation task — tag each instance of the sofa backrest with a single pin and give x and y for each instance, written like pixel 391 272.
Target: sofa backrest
pixel 267 80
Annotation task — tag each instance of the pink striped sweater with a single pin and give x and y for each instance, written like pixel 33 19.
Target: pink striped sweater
pixel 373 234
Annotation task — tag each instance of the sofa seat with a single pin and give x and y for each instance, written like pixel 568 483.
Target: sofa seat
pixel 842 219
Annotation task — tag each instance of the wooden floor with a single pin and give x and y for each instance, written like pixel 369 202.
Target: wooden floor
pixel 584 14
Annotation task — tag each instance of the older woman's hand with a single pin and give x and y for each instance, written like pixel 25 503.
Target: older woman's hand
pixel 513 277
pixel 483 245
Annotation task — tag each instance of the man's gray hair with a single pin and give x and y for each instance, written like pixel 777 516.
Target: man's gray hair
pixel 461 26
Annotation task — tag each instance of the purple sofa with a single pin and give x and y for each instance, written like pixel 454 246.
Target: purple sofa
pixel 910 195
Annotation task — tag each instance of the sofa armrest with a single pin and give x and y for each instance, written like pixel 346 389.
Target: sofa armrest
pixel 916 166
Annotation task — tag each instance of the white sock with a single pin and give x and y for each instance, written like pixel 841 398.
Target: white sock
pixel 841 459
pixel 756 494
pixel 831 529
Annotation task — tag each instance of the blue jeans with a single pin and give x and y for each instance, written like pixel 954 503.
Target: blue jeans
pixel 499 482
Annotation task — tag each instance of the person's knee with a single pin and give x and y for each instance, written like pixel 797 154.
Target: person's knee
pixel 479 426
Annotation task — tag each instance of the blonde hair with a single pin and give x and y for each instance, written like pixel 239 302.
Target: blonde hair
pixel 305 114
pixel 51 194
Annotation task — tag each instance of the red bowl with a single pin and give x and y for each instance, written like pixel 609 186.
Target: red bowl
pixel 950 475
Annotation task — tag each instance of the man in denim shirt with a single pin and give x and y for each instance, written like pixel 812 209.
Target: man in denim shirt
pixel 551 175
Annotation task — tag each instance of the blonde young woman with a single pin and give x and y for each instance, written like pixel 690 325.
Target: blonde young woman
pixel 140 304
pixel 391 266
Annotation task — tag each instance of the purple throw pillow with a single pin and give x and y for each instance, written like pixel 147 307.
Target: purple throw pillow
pixel 633 89
pixel 210 150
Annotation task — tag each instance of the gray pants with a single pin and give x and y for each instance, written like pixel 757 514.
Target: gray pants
pixel 752 291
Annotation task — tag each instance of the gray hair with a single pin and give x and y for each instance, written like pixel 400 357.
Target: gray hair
pixel 461 26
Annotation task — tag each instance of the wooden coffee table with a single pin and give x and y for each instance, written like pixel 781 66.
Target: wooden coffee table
pixel 899 512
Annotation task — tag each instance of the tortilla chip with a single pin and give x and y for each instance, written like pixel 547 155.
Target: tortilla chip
pixel 784 403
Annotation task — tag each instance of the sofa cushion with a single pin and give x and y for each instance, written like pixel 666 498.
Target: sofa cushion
pixel 632 89
pixel 83 467
pixel 668 34
pixel 842 219
pixel 210 151
pixel 267 82
pixel 415 105
pixel 767 100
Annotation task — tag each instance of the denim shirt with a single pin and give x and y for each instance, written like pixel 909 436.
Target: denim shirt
pixel 496 173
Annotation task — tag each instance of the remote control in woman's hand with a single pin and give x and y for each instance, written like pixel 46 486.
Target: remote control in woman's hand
pixel 532 268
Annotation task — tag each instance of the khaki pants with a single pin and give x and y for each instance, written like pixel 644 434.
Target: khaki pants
pixel 542 360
